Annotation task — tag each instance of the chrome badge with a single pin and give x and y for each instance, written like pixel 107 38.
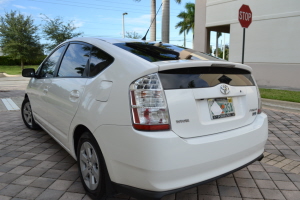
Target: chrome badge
pixel 224 89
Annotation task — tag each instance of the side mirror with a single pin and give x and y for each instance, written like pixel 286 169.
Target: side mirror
pixel 30 72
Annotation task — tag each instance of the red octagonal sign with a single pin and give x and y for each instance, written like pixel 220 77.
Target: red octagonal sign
pixel 245 16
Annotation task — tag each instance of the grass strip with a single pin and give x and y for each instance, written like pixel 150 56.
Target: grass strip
pixel 15 69
pixel 282 95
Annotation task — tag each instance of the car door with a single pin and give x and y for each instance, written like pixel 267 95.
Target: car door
pixel 38 87
pixel 66 89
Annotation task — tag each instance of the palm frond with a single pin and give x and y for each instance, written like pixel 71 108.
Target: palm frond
pixel 187 19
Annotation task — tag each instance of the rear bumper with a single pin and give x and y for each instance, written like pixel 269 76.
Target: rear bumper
pixel 150 195
pixel 161 162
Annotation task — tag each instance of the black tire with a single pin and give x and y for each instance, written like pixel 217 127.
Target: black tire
pixel 27 115
pixel 94 191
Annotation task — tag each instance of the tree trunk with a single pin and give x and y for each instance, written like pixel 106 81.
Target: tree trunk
pixel 153 26
pixel 217 45
pixel 22 64
pixel 165 28
pixel 184 39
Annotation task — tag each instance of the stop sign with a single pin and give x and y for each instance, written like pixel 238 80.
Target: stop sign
pixel 245 16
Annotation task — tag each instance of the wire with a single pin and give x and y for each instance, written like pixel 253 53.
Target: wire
pixel 81 6
pixel 92 4
pixel 126 3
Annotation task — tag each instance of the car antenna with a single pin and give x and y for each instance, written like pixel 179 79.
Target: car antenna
pixel 144 38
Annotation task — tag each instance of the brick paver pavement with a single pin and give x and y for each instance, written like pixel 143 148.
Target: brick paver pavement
pixel 34 166
pixel 284 134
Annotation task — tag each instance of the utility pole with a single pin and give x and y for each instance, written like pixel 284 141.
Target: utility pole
pixel 125 13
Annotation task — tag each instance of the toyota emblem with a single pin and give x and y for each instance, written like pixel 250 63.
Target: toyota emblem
pixel 224 89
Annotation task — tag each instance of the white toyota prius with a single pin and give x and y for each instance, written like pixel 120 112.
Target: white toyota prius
pixel 146 118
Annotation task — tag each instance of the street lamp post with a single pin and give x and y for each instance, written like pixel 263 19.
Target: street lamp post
pixel 125 13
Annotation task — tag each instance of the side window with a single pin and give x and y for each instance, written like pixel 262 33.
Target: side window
pixel 74 61
pixel 99 61
pixel 48 67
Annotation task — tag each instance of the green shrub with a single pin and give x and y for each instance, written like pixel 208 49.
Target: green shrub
pixel 5 60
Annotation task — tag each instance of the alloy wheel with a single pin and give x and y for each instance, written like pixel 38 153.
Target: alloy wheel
pixel 89 165
pixel 27 113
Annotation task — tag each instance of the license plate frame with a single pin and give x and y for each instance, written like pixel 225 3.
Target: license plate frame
pixel 225 104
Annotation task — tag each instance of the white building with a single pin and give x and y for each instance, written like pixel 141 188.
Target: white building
pixel 272 40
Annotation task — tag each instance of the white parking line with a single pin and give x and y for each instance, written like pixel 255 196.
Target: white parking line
pixel 9 104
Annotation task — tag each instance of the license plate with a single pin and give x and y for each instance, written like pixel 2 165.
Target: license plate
pixel 221 108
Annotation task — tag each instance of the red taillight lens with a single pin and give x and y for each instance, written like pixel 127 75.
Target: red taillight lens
pixel 151 127
pixel 148 104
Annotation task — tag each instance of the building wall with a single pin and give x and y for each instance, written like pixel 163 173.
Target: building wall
pixel 272 40
pixel 200 34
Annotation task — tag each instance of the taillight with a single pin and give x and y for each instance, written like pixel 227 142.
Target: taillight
pixel 259 110
pixel 148 104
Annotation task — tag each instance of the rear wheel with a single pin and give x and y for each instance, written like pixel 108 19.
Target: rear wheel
pixel 92 167
pixel 27 115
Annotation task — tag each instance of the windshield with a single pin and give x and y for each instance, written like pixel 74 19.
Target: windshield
pixel 154 52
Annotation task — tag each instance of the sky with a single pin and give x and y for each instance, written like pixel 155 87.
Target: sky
pixel 104 17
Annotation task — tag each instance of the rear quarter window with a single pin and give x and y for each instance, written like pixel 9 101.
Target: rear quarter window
pixel 99 61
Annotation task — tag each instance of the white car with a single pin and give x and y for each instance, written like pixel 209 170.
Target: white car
pixel 143 118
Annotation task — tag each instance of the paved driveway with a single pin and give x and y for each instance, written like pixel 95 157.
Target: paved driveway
pixel 34 166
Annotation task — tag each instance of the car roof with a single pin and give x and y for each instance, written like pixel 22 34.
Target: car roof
pixel 162 64
pixel 108 40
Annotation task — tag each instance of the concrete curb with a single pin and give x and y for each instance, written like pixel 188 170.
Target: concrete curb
pixel 2 74
pixel 284 106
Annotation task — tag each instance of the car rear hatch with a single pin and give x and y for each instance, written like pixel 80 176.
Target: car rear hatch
pixel 206 97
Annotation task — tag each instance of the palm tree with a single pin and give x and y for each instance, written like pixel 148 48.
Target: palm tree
pixel 165 25
pixel 165 31
pixel 188 19
pixel 153 26
pixel 217 43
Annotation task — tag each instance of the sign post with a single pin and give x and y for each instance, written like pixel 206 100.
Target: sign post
pixel 245 18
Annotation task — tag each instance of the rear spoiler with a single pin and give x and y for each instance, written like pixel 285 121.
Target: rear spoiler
pixel 222 65
pixel 188 53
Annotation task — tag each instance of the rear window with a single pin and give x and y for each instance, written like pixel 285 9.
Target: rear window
pixel 162 52
pixel 202 77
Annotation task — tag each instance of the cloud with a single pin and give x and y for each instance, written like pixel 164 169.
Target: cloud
pixel 78 23
pixel 143 19
pixel 139 30
pixel 4 1
pixel 140 24
pixel 34 8
pixel 19 6
pixel 23 7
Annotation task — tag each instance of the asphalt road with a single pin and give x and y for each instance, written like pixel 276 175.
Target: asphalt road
pixel 13 83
